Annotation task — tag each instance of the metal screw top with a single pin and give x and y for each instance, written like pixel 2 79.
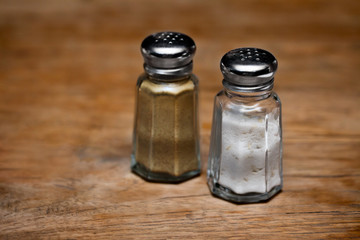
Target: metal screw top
pixel 249 69
pixel 168 53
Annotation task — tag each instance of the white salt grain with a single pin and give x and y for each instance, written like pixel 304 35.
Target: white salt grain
pixel 246 144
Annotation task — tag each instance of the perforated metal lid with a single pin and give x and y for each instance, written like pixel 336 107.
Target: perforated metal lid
pixel 168 53
pixel 248 67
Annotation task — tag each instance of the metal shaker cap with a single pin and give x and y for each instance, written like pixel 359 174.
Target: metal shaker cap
pixel 248 67
pixel 168 53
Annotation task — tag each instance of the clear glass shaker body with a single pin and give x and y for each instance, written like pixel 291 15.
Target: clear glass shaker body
pixel 245 163
pixel 166 133
pixel 245 159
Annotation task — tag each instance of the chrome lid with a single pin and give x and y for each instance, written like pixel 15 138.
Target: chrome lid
pixel 248 68
pixel 168 53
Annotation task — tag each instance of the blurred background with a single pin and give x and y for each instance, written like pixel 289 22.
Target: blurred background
pixel 68 71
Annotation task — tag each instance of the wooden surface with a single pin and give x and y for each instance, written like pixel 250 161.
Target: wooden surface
pixel 67 78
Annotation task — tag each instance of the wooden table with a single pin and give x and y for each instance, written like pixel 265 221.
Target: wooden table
pixel 67 78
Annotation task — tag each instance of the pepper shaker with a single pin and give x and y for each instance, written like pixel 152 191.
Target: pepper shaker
pixel 166 133
pixel 245 159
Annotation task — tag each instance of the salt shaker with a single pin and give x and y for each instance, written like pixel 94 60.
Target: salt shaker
pixel 166 132
pixel 245 159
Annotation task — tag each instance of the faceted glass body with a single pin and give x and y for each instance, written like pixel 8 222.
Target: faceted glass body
pixel 166 133
pixel 245 159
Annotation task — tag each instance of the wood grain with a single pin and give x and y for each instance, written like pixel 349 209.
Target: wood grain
pixel 67 78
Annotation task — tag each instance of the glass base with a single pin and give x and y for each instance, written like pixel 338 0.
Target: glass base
pixel 227 194
pixel 162 177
